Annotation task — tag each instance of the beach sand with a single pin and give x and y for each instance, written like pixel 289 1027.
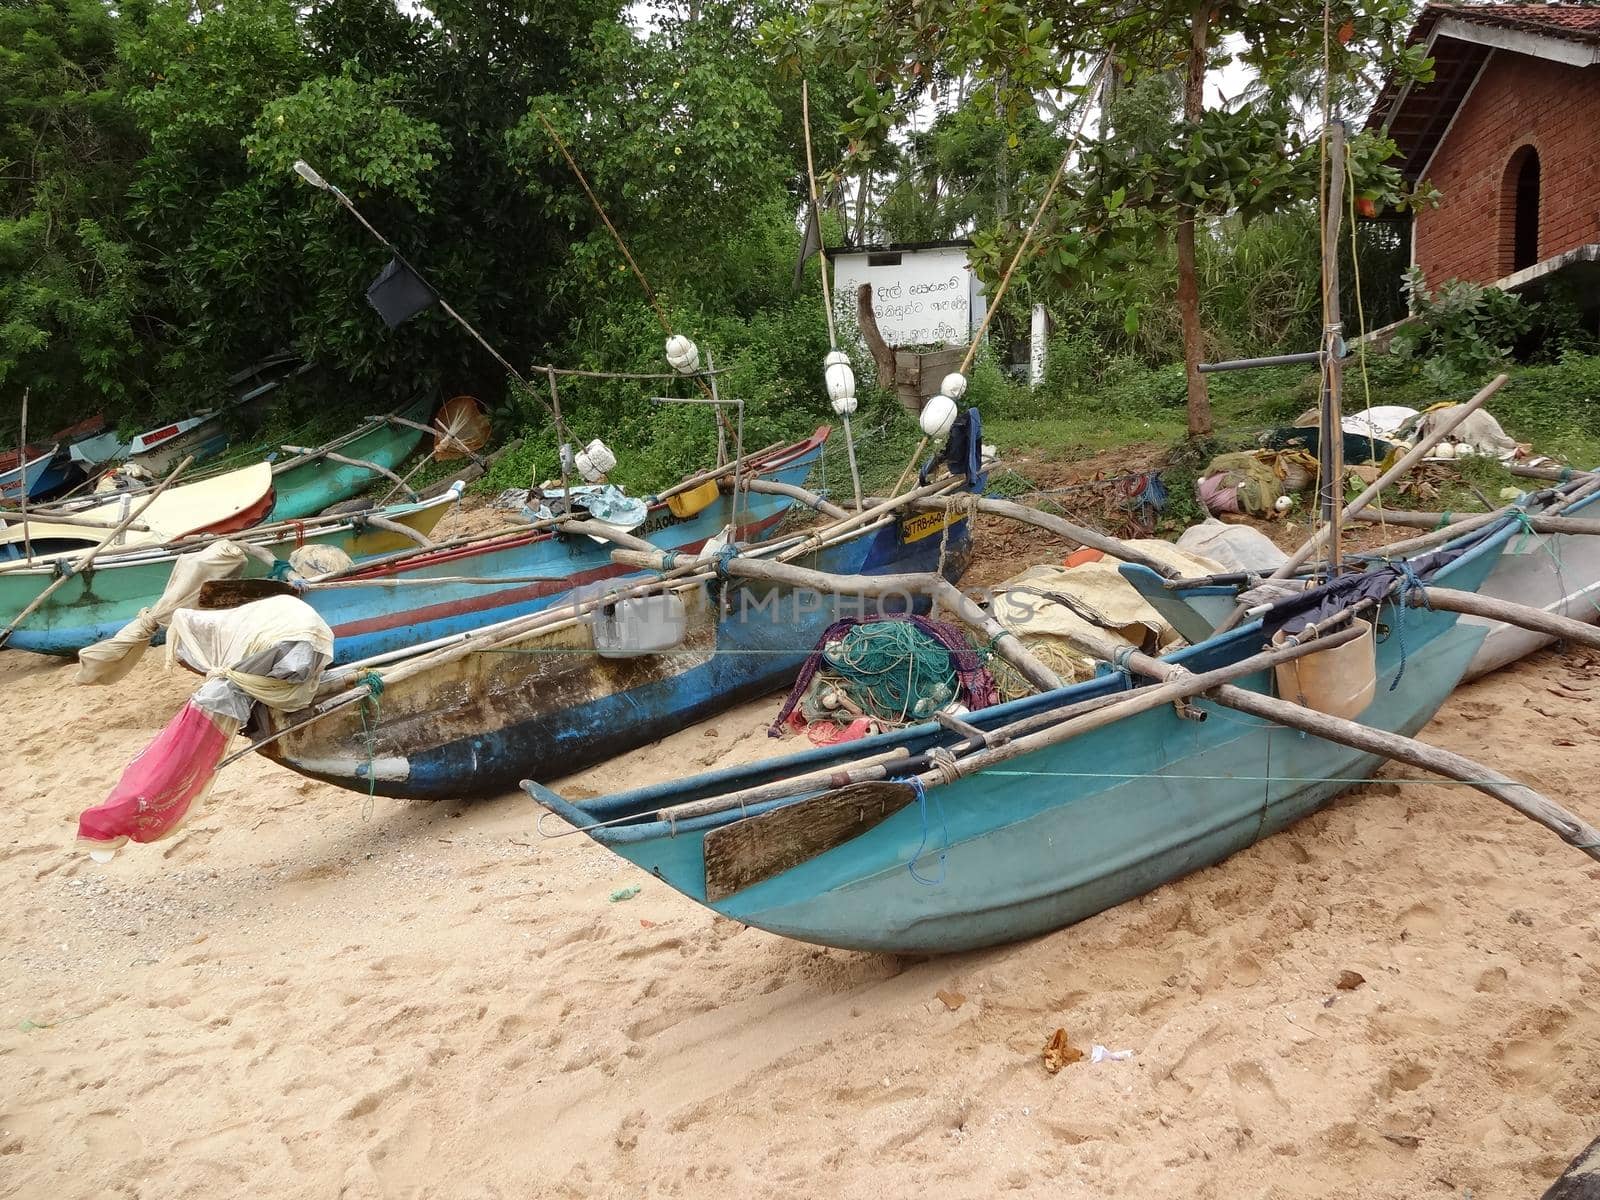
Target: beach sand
pixel 306 994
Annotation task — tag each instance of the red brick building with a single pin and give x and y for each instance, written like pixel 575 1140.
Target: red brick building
pixel 1509 133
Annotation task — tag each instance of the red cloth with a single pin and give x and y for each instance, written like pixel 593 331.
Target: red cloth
pixel 157 789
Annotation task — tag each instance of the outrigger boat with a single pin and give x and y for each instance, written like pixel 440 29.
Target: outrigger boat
pixel 1005 825
pixel 419 594
pixel 96 603
pixel 550 693
pixel 1555 572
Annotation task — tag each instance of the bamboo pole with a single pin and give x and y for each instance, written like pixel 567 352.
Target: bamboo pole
pixel 822 259
pixel 1057 525
pixel 1413 456
pixel 1331 444
pixel 1523 615
pixel 362 463
pixel 88 558
pixel 866 515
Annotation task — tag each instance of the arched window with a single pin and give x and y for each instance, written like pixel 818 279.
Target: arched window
pixel 1519 219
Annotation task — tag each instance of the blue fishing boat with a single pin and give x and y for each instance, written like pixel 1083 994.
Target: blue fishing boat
pixel 461 588
pixel 31 478
pixel 1048 838
pixel 419 597
pixel 553 700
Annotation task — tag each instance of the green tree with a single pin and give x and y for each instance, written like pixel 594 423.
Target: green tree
pixel 1250 158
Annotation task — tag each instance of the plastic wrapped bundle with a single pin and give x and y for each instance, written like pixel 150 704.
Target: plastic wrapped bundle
pixel 271 652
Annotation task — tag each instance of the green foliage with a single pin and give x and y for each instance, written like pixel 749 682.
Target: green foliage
pixel 70 295
pixel 1462 332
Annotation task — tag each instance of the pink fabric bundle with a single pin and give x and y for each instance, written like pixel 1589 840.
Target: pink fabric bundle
pixel 162 783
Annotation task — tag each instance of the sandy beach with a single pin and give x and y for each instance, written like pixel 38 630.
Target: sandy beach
pixel 308 994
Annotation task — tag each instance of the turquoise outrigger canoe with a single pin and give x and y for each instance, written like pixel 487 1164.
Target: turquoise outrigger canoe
pixel 308 483
pixel 1056 835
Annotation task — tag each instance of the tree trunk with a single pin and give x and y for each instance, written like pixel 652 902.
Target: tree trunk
pixel 1188 284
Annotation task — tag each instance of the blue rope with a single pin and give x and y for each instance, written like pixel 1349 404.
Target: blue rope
pixel 64 569
pixel 1410 583
pixel 374 685
pixel 669 560
pixel 725 556
pixel 922 807
pixel 280 570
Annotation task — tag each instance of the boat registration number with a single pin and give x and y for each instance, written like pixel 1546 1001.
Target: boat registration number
pixel 925 524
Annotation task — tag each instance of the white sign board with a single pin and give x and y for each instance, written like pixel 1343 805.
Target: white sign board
pixel 920 297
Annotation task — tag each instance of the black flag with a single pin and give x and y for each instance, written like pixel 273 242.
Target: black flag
pixel 399 294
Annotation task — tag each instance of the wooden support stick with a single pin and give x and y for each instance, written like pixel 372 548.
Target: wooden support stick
pixel 89 556
pixel 864 516
pixel 1456 528
pixel 772 487
pixel 78 522
pixel 1522 615
pixel 1568 826
pixel 388 526
pixel 357 462
pixel 1413 456
pixel 1536 522
pixel 1057 525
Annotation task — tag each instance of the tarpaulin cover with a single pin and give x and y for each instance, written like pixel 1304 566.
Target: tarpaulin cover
pixel 162 784
pixel 224 643
pixel 1294 613
pixel 109 660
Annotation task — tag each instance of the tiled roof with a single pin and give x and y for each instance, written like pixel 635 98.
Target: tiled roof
pixel 1416 117
pixel 1580 22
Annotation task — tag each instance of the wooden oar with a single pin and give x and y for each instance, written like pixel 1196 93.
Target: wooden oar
pixel 88 557
pixel 1410 459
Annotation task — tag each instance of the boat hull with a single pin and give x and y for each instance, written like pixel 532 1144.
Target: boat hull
pixel 1052 837
pixel 305 489
pixel 1559 573
pixel 98 602
pixel 549 704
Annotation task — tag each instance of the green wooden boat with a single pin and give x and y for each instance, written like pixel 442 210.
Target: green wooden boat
pixel 308 483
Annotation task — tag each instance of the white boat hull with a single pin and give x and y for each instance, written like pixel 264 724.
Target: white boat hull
pixel 1559 573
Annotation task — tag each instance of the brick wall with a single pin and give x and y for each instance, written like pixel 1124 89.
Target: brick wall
pixel 1518 101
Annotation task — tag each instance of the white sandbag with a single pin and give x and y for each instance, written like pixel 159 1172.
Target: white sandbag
pixel 109 660
pixel 1479 430
pixel 217 641
pixel 317 559
pixel 1233 547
